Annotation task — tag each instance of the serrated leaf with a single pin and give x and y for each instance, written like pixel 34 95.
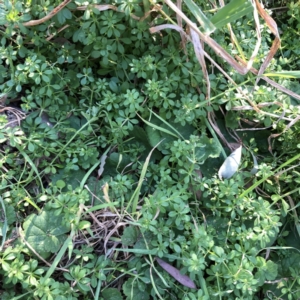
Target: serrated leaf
pixel 267 270
pixel 140 135
pixel 45 232
pixel 130 236
pixel 231 164
pixel 143 242
pixel 271 270
pixel 111 294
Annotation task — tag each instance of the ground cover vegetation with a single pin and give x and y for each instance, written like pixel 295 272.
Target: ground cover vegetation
pixel 116 117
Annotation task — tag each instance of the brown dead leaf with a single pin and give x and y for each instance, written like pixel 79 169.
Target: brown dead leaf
pixel 212 43
pixel 276 43
pixel 199 52
pixel 273 83
pixel 100 7
pixel 175 273
pixel 179 22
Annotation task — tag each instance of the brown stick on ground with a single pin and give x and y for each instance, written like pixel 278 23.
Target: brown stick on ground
pixel 49 16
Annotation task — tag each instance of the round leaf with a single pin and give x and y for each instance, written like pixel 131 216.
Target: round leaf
pixel 45 232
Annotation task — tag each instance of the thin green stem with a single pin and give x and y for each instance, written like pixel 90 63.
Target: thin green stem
pixel 257 183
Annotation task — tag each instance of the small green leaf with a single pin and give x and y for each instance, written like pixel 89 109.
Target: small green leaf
pixel 87 14
pixel 43 198
pixel 45 78
pixel 60 17
pixel 113 86
pixel 31 147
pixel 37 80
pixel 66 13
pixel 95 54
pixel 38 121
pixel 18 88
pixel 84 225
pixel 218 250
pixel 60 184
pixel 284 208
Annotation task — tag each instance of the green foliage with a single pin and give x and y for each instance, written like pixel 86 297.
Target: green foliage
pixel 45 232
pixel 85 186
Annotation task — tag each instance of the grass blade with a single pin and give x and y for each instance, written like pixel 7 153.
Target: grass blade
pixel 284 74
pixel 231 12
pixel 32 165
pixel 4 228
pixel 101 206
pixel 158 127
pixel 257 183
pixel 139 251
pixel 207 25
pixel 66 245
pixel 90 171
pixel 166 123
pixel 135 197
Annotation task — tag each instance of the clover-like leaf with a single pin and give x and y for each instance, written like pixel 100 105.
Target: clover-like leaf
pixel 45 232
pixel 267 270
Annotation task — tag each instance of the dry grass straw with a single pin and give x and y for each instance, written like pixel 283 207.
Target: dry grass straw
pixel 197 38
